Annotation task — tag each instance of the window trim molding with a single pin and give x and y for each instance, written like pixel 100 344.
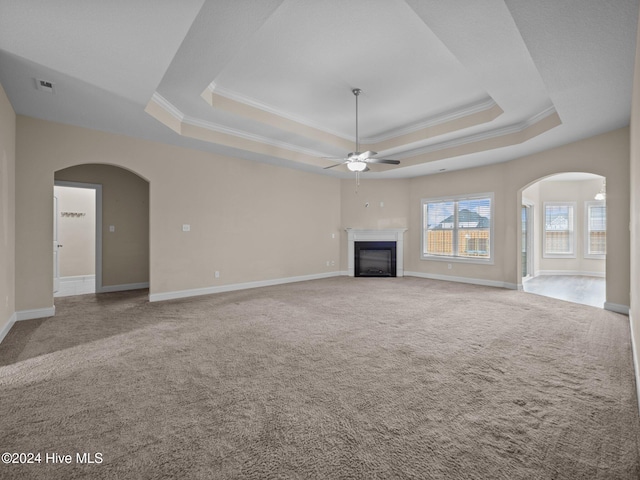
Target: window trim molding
pixel 574 253
pixel 586 254
pixel 455 259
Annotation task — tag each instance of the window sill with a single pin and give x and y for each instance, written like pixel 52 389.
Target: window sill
pixel 470 260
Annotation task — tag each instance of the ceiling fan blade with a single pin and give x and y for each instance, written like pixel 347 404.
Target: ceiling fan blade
pixel 336 165
pixel 383 160
pixel 366 155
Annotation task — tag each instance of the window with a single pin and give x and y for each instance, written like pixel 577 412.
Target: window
pixel 459 228
pixel 596 231
pixel 559 221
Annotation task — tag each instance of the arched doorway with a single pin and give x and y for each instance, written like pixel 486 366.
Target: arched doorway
pixel 121 225
pixel 563 238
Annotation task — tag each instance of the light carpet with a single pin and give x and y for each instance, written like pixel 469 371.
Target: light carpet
pixel 339 378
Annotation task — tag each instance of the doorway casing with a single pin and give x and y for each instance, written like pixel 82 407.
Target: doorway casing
pixel 98 247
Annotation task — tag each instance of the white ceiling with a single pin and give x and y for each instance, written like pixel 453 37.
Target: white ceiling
pixel 446 85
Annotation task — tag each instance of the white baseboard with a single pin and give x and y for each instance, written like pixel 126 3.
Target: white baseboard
pixel 617 308
pixel 158 297
pixel 36 313
pixel 26 315
pixel 7 327
pixel 76 285
pixel 570 272
pixel 123 287
pixel 635 355
pixel 473 281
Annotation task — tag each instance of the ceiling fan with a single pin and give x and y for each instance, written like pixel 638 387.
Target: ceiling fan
pixel 357 161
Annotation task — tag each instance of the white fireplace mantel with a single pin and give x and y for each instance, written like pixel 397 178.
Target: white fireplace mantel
pixel 384 235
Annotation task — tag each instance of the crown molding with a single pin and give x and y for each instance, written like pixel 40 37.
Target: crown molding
pixel 167 106
pixel 478 137
pixel 215 127
pixel 236 97
pixel 454 114
pixel 478 106
pixel 518 127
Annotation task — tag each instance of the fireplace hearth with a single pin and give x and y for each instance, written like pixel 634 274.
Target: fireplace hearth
pixel 375 259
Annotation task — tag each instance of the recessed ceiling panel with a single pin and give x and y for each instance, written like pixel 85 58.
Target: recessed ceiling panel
pixel 308 55
pixel 445 84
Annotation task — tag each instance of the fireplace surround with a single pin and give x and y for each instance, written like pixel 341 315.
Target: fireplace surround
pixel 376 236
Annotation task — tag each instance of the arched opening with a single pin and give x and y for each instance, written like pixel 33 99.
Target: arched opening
pixel 121 240
pixel 562 241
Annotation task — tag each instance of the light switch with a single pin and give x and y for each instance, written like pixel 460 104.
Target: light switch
pixel 112 228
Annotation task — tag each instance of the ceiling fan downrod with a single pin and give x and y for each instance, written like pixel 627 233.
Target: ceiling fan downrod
pixel 356 92
pixel 357 161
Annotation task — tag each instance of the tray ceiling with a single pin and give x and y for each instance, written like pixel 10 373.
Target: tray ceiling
pixel 445 85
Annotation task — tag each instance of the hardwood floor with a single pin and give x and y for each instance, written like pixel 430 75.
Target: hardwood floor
pixel 572 288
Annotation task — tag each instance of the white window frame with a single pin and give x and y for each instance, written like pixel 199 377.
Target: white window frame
pixel 449 258
pixel 587 204
pixel 573 230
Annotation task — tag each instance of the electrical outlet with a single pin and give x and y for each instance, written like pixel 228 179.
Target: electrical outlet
pixel 186 228
pixel 333 263
pixel 112 228
pixel 217 274
pixel 449 266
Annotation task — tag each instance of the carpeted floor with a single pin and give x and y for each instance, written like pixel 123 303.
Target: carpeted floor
pixel 329 379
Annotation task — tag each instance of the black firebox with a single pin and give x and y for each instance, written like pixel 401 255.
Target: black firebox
pixel 375 259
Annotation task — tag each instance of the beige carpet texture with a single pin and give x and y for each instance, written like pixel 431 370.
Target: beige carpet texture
pixel 342 378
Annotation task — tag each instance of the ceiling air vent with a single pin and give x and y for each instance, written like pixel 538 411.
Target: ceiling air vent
pixel 45 85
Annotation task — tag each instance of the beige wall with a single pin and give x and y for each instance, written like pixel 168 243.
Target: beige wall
pixel 7 210
pixel 125 206
pixel 255 222
pixel 563 191
pixel 634 226
pixel 76 225
pixel 249 221
pixel 374 204
pixel 478 180
pixel 606 155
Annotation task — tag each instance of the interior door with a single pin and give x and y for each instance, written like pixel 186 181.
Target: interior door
pixel 56 247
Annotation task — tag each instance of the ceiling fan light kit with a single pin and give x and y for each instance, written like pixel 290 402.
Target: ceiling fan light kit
pixel 358 161
pixel 356 166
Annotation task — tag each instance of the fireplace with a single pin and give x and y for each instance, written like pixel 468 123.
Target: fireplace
pixel 375 259
pixel 371 238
